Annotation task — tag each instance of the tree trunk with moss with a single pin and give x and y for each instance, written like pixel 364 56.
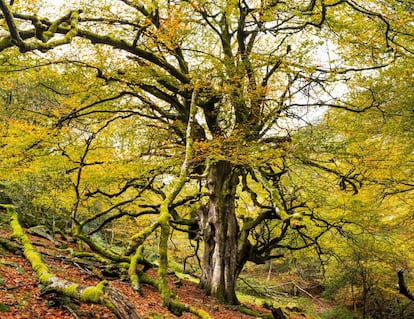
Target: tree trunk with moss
pixel 98 294
pixel 220 234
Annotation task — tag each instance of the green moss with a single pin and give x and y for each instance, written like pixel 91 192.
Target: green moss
pixel 177 307
pixel 34 258
pixel 41 269
pixel 142 235
pixel 144 278
pixel 250 312
pixel 199 312
pixel 101 249
pixel 7 207
pixel 82 254
pixel 72 290
pixel 123 265
pixel 138 239
pixel 134 282
pixel 93 294
pixel 163 253
pixel 132 270
pixel 45 277
pixel 14 222
pixel 31 254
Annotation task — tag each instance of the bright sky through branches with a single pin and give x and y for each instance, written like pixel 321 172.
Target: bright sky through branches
pixel 55 6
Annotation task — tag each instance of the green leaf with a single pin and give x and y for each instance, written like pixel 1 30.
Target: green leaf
pixel 3 307
pixel 20 270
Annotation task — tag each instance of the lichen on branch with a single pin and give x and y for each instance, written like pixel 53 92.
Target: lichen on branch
pixel 44 35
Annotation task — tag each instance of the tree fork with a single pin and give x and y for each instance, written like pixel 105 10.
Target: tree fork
pixel 138 239
pixel 136 244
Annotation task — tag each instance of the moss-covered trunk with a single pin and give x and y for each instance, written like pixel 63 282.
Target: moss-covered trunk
pixel 98 294
pixel 220 233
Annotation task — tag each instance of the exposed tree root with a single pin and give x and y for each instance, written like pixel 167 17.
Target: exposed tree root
pixel 98 294
pixel 10 245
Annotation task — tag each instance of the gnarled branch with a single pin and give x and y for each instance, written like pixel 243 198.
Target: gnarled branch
pixel 403 286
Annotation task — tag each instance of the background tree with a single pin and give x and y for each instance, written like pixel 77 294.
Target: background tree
pixel 374 247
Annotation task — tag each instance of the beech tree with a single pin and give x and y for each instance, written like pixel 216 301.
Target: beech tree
pixel 256 71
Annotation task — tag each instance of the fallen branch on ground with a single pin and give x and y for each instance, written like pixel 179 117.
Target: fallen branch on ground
pixel 98 294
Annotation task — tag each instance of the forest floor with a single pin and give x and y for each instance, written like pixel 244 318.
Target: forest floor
pixel 21 295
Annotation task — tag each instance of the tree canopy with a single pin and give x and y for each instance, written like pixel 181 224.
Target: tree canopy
pixel 258 127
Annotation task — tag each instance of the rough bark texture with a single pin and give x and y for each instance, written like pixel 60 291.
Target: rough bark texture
pixel 220 231
pixel 121 306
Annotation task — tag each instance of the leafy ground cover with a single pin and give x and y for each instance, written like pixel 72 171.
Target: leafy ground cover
pixel 22 297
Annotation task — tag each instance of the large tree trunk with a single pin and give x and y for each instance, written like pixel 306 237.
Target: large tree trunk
pixel 220 231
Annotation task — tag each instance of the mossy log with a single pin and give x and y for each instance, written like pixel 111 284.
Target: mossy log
pixel 98 294
pixel 10 245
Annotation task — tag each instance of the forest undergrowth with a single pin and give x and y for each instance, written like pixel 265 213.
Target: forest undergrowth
pixel 21 295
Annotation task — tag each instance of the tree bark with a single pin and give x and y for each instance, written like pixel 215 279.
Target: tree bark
pixel 220 234
pixel 99 294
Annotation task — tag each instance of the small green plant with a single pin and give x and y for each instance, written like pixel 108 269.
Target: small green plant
pixel 19 269
pixel 3 307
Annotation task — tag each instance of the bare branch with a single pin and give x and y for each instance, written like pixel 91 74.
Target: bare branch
pixel 403 286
